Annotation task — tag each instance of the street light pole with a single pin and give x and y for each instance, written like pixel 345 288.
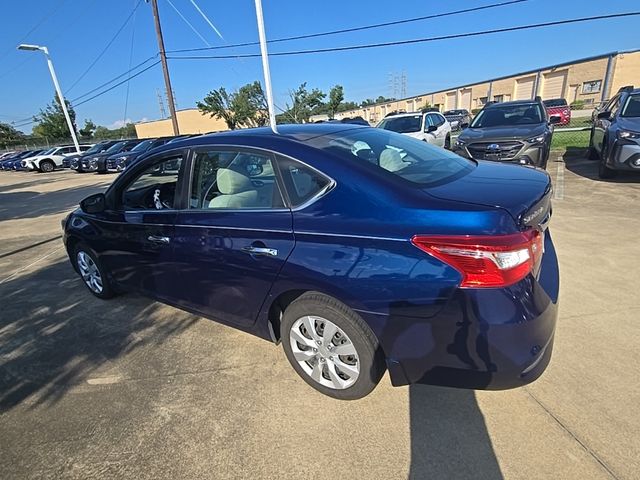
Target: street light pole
pixel 165 68
pixel 63 103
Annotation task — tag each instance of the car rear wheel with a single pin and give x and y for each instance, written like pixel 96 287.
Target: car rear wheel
pixel 331 347
pixel 92 273
pixel 603 170
pixel 47 166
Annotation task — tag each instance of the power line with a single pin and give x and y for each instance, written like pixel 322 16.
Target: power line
pixel 113 39
pixel 52 12
pixel 133 35
pixel 113 79
pixel 117 84
pixel 184 19
pixel 354 29
pixel 413 41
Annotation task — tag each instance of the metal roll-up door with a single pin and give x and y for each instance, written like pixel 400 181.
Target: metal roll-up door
pixel 465 99
pixel 524 88
pixel 450 101
pixel 553 84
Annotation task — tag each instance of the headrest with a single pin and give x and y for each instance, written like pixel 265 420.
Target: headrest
pixel 231 181
pixel 391 160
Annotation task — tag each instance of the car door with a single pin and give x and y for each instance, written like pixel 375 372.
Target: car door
pixel 601 125
pixel 138 233
pixel 440 134
pixel 235 235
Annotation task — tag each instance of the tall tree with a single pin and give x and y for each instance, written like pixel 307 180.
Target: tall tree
pixel 51 122
pixel 336 96
pixel 9 135
pixel 302 104
pixel 246 107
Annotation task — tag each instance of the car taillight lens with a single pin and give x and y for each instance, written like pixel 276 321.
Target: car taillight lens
pixel 566 111
pixel 486 261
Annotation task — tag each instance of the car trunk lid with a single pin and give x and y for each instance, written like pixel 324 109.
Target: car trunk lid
pixel 524 192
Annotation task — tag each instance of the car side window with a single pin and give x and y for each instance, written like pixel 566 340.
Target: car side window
pixel 302 182
pixel 435 119
pixel 234 179
pixel 155 187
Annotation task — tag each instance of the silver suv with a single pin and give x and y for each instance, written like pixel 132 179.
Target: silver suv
pixel 615 134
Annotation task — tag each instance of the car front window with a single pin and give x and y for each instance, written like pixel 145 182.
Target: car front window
pixel 508 116
pixel 418 162
pixel 410 124
pixel 632 106
pixel 141 147
pixel 115 148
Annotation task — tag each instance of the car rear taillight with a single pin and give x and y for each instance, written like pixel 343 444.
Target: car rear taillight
pixel 486 261
pixel 566 111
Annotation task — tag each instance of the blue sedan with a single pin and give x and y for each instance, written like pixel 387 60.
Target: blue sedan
pixel 359 249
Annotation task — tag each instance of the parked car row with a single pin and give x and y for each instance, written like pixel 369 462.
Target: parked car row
pixel 102 157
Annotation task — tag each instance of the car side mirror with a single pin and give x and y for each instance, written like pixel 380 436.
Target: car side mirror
pixel 555 119
pixel 431 128
pixel 95 203
pixel 604 115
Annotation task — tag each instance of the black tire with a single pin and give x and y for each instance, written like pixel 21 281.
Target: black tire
pixel 370 358
pixel 47 166
pixel 107 289
pixel 592 153
pixel 605 172
pixel 447 142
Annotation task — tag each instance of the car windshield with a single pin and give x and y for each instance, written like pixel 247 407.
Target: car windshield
pixel 141 147
pixel 115 148
pixel 407 124
pixel 508 116
pixel 410 159
pixel 632 107
pixel 49 152
pixel 96 148
pixel 558 102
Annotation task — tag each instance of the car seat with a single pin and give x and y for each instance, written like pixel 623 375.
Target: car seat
pixel 236 190
pixel 391 160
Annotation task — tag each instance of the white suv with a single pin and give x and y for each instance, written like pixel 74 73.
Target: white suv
pixel 52 158
pixel 430 127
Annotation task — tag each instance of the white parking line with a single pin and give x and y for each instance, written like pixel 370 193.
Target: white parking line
pixel 558 191
pixel 30 265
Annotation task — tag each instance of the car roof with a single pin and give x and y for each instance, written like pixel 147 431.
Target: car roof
pixel 407 114
pixel 513 102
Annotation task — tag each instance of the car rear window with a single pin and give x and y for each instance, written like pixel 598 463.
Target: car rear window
pixel 413 160
pixel 409 124
pixel 557 102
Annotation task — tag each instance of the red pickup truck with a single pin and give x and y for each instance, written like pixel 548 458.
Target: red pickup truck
pixel 558 107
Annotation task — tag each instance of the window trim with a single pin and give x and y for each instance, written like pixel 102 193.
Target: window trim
pixel 116 190
pixel 263 151
pixel 598 81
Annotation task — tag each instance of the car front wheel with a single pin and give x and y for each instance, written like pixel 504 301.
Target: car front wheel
pixel 331 347
pixel 603 170
pixel 47 166
pixel 92 273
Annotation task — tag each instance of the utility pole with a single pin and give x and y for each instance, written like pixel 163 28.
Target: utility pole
pixel 165 68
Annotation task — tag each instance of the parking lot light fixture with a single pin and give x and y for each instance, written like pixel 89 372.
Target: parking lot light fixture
pixel 45 50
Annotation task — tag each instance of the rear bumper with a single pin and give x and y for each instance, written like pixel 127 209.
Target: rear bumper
pixel 491 339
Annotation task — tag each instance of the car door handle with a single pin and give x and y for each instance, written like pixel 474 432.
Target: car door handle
pixel 271 252
pixel 158 239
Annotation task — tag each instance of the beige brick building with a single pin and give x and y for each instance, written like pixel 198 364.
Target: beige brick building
pixel 590 80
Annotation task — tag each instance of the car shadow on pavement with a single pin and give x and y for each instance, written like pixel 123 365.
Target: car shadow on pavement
pixel 449 438
pixel 54 335
pixel 31 204
pixel 576 161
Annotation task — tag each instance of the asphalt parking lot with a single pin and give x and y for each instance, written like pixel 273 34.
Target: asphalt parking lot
pixel 134 389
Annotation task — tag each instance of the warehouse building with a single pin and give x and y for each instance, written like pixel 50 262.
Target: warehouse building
pixel 588 81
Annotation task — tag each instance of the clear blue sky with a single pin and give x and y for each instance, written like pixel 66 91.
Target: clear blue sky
pixel 76 31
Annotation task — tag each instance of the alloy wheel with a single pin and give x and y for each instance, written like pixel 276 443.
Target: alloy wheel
pixel 324 352
pixel 46 167
pixel 89 272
